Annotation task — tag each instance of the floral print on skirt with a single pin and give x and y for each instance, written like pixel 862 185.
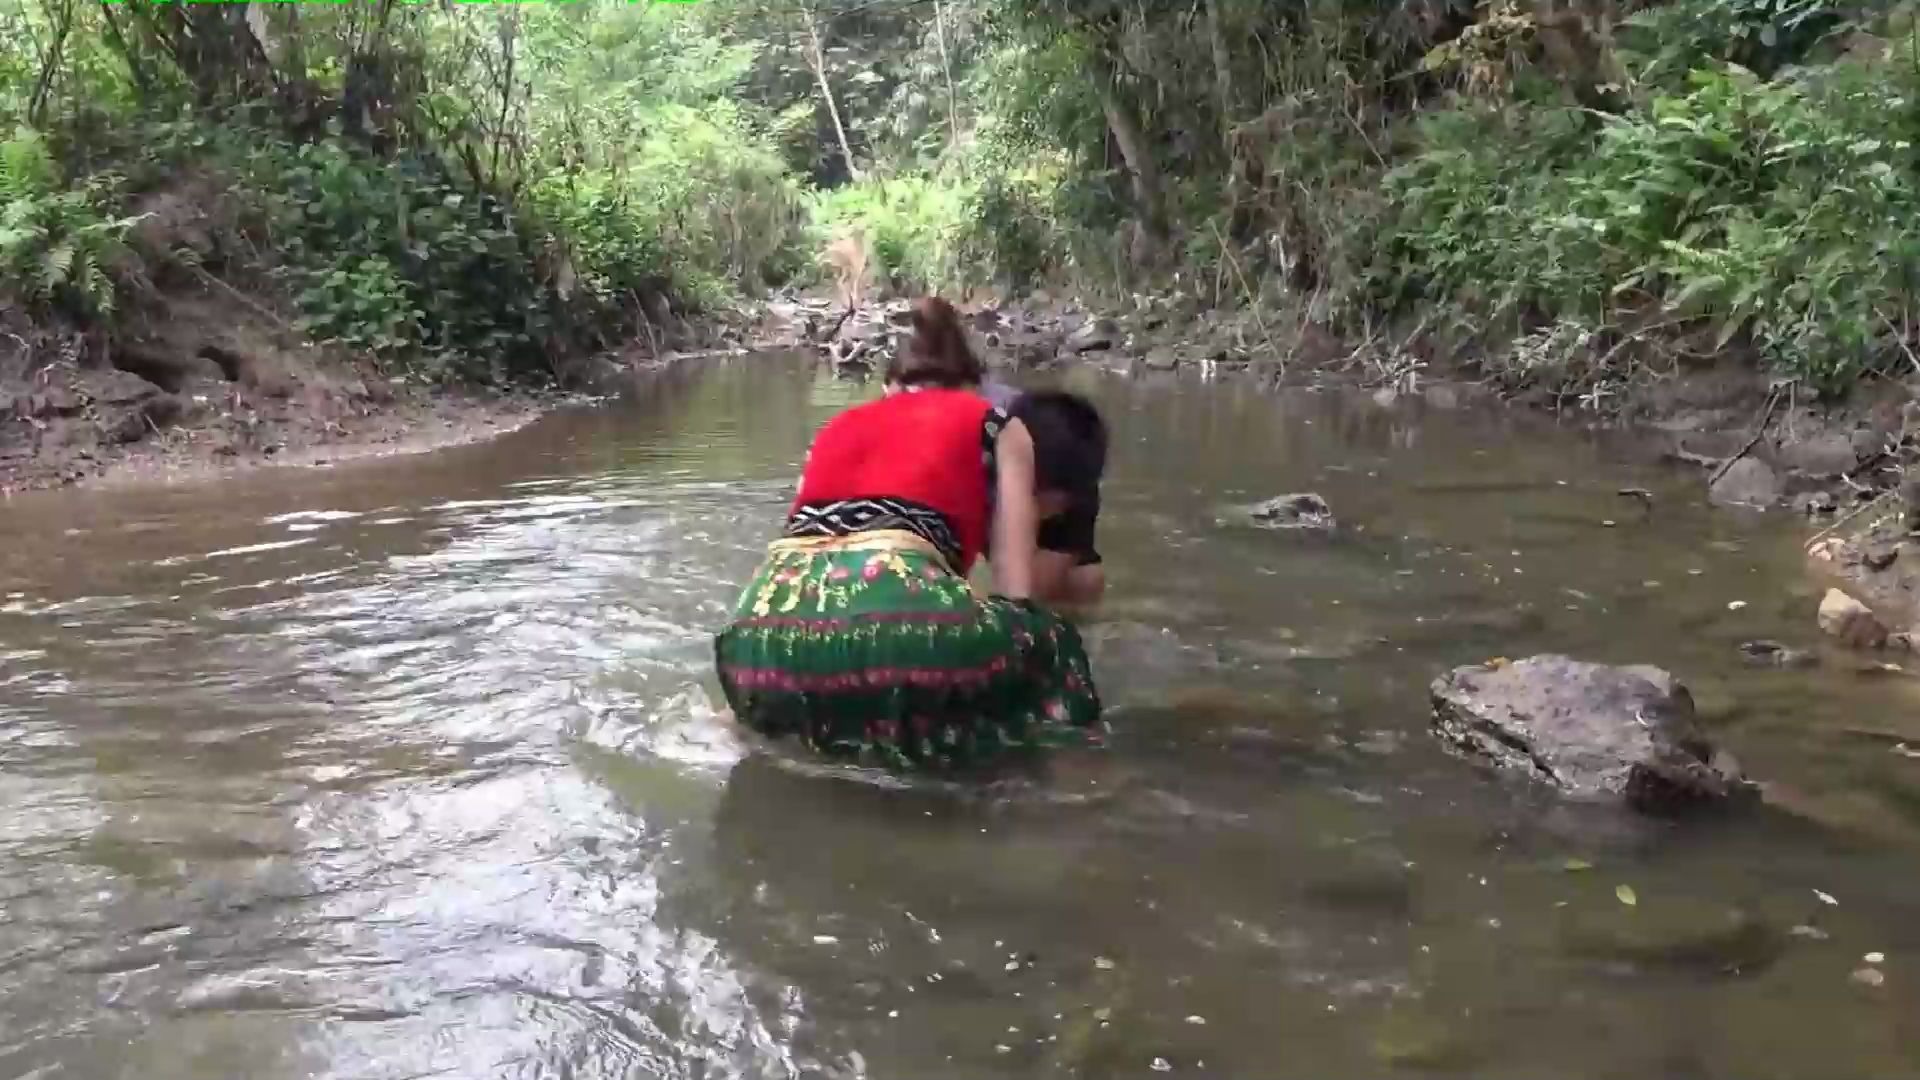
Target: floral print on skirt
pixel 870 647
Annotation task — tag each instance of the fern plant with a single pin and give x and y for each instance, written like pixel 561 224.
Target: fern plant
pixel 56 245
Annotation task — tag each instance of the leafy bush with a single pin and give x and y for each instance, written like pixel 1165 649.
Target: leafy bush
pixel 912 224
pixel 704 202
pixel 1781 211
pixel 1670 40
pixel 394 257
pixel 56 243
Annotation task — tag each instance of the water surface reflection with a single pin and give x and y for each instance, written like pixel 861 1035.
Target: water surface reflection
pixel 412 768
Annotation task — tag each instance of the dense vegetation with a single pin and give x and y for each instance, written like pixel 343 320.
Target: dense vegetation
pixel 1578 189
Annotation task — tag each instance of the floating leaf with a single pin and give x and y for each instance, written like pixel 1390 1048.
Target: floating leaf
pixel 1826 899
pixel 1627 895
pixel 1574 866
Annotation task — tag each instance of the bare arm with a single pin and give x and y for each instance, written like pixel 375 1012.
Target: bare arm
pixel 1059 581
pixel 1016 519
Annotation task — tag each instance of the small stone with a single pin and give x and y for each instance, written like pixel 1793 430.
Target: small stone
pixel 1818 504
pixel 1773 654
pixel 1843 617
pixel 1880 556
pixel 1162 1065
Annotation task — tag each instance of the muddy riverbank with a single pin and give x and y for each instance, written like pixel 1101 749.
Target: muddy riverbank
pixel 209 384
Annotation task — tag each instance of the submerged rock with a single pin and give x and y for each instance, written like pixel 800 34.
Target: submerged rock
pixel 1766 653
pixel 1590 730
pixel 1818 504
pixel 1303 510
pixel 1673 933
pixel 1414 1037
pixel 1161 358
pixel 1747 482
pixel 1849 620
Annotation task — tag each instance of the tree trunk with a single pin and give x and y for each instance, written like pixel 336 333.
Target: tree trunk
pixel 818 58
pixel 946 65
pixel 1134 152
pixel 1222 73
pixel 50 63
pixel 135 68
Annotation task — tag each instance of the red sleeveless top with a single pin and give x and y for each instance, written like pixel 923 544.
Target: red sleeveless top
pixel 920 460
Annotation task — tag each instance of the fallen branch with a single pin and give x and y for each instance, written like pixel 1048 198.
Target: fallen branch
pixel 838 323
pixel 1856 512
pixel 1682 454
pixel 1773 403
pixel 249 301
pixel 1253 300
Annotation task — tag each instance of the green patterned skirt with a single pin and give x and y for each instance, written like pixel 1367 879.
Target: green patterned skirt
pixel 871 648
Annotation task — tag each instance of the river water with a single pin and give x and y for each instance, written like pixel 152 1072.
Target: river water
pixel 412 768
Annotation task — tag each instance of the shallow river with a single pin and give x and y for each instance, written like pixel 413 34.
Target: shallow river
pixel 411 768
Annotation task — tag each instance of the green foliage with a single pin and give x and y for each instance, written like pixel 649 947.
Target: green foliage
pixel 1670 40
pixel 56 244
pixel 469 193
pixel 911 224
pixel 1782 213
pixel 704 201
pixel 396 258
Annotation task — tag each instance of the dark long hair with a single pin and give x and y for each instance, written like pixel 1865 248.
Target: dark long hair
pixel 1069 440
pixel 937 353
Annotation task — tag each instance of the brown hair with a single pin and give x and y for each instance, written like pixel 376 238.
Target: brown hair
pixel 937 354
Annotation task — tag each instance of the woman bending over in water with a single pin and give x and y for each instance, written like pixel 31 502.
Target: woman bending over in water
pixel 860 634
pixel 1070 454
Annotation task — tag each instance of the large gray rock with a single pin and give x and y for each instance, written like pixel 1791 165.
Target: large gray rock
pixel 1096 334
pixel 1590 730
pixel 1748 482
pixel 1825 454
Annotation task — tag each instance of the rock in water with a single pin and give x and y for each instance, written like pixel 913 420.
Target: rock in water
pixel 1849 620
pixel 1590 730
pixel 1162 358
pixel 1096 334
pixel 1773 654
pixel 1748 482
pixel 1304 510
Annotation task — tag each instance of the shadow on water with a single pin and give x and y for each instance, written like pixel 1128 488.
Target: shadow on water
pixel 412 767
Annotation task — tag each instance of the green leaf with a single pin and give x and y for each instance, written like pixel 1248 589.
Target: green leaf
pixel 1627 895
pixel 1575 866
